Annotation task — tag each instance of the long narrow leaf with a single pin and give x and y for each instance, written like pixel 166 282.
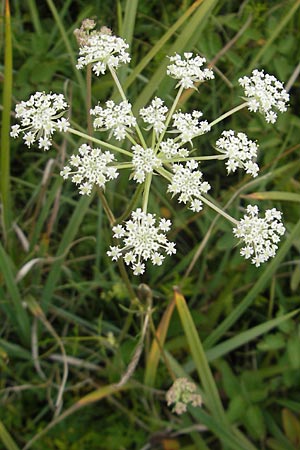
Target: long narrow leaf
pixel 212 398
pixel 5 141
pixel 157 344
pixel 246 336
pixel 20 315
pixel 7 439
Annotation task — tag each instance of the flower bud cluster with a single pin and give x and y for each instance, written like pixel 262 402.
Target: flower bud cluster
pixel 102 50
pixel 183 393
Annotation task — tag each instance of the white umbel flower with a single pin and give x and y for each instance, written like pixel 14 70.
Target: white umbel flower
pixel 40 116
pixel 142 240
pixel 117 118
pixel 90 167
pixel 189 125
pixel 240 151
pixel 101 49
pixel 265 93
pixel 155 114
pixel 260 235
pixel 144 161
pixel 171 149
pixel 181 394
pixel 188 70
pixel 186 181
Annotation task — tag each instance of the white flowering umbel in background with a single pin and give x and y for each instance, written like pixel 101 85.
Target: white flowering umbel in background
pixel 181 394
pixel 157 141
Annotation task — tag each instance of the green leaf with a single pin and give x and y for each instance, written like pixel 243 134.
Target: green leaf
pixel 7 439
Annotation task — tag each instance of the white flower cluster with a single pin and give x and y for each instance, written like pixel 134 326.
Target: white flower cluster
pixel 117 118
pixel 265 93
pixel 142 240
pixel 188 71
pixel 181 394
pixel 171 149
pixel 155 114
pixel 189 126
pixel 144 161
pixel 103 50
pixel 89 167
pixel 240 151
pixel 186 181
pixel 40 116
pixel 260 235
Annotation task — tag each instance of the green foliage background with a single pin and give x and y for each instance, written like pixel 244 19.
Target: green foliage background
pixel 75 297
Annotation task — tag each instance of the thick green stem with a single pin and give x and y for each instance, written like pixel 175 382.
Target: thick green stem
pixel 146 192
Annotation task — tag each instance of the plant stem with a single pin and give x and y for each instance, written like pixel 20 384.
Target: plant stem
pixel 124 98
pixel 146 191
pixel 228 113
pixel 169 117
pixel 218 210
pixel 99 142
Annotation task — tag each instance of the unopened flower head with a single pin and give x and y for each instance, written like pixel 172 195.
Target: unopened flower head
pixel 90 167
pixel 183 393
pixel 102 50
pixel 144 161
pixel 117 118
pixel 142 240
pixel 188 70
pixel 171 149
pixel 265 94
pixel 189 125
pixel 155 114
pixel 186 181
pixel 40 116
pixel 260 235
pixel 240 151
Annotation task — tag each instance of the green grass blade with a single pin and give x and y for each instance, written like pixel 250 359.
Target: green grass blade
pixel 157 344
pixel 275 195
pixel 20 315
pixel 35 16
pixel 7 439
pixel 78 75
pixel 256 289
pixel 67 238
pixel 274 35
pixel 127 31
pixel 212 399
pixel 246 336
pixel 5 140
